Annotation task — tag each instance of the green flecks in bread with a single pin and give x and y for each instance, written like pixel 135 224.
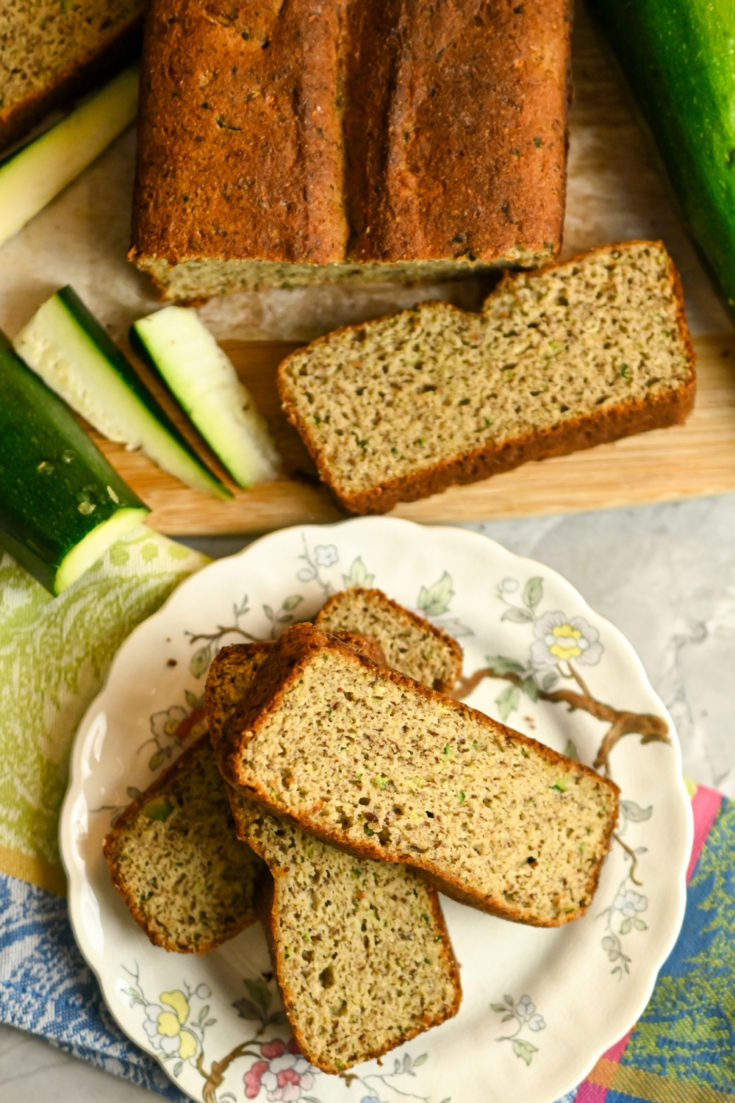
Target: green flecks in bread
pixel 175 860
pixel 561 359
pixel 410 643
pixel 392 770
pixel 360 947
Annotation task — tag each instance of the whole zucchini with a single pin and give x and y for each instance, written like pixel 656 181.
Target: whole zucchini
pixel 61 503
pixel 678 57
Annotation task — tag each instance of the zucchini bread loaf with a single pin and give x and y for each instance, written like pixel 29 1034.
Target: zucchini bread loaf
pixel 360 948
pixel 285 144
pixel 174 858
pixel 50 50
pixel 579 353
pixel 390 769
pixel 409 643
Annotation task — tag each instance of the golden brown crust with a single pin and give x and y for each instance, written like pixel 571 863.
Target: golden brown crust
pixel 610 424
pixel 285 665
pixel 352 132
pixel 221 690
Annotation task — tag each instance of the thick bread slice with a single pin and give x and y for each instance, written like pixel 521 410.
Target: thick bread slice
pixel 50 51
pixel 175 860
pixel 390 769
pixel 360 947
pixel 561 359
pixel 409 642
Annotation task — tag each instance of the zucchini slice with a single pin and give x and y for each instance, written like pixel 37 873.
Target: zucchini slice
pixel 678 57
pixel 61 502
pixel 31 176
pixel 201 376
pixel 74 355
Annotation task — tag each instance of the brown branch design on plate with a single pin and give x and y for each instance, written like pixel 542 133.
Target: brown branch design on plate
pixel 561 645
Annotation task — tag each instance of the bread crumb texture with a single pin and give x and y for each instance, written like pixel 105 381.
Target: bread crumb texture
pixel 174 857
pixel 395 771
pixel 360 948
pixel 362 953
pixel 283 145
pixel 50 49
pixel 571 356
pixel 409 643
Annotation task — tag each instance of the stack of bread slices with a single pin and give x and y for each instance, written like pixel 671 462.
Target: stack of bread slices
pixel 343 787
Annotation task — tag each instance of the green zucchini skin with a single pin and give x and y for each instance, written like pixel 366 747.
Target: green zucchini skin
pixel 678 57
pixel 65 325
pixel 176 344
pixel 56 487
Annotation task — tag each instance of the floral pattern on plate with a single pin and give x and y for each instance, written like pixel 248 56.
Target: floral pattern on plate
pixel 535 656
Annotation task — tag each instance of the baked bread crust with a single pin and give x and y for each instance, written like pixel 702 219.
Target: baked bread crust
pixel 285 791
pixel 568 434
pixel 314 143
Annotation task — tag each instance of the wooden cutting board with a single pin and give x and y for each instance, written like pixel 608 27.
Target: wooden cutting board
pixel 615 191
pixel 697 458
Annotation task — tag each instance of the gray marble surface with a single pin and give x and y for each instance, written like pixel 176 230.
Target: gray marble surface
pixel 664 574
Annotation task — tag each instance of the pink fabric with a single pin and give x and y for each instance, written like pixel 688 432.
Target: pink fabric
pixel 705 805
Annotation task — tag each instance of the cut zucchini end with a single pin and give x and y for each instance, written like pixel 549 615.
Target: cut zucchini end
pixel 93 546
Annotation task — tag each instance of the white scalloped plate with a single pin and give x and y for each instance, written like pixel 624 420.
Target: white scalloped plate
pixel 539 1006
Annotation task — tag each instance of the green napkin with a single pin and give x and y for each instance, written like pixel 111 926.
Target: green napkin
pixel 54 656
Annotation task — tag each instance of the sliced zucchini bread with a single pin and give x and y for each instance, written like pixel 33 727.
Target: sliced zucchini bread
pixel 561 359
pixel 371 760
pixel 409 642
pixel 175 859
pixel 360 947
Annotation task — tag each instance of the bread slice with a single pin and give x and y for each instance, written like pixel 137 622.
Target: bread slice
pixel 573 355
pixel 409 642
pixel 376 141
pixel 174 858
pixel 360 948
pixel 373 761
pixel 53 50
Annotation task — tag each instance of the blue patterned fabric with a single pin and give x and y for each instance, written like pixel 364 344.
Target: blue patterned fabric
pixel 687 1033
pixel 47 988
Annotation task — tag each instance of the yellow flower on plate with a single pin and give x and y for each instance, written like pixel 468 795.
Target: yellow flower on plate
pixel 564 643
pixel 170 1025
pixel 562 639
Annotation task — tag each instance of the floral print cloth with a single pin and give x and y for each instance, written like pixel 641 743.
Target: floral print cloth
pixel 54 654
